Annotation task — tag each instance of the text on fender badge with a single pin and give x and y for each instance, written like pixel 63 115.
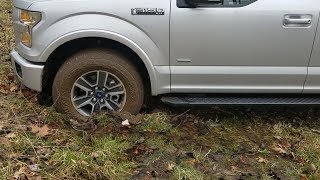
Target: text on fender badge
pixel 147 11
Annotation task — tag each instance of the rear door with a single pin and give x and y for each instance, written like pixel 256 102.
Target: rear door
pixel 247 46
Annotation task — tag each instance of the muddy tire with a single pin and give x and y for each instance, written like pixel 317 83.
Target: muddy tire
pixel 102 78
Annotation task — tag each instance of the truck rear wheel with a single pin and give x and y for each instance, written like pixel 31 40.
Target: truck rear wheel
pixel 94 80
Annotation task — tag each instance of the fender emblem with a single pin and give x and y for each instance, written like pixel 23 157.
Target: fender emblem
pixel 147 11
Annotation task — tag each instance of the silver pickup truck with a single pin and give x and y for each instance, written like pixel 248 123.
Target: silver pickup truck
pixel 112 54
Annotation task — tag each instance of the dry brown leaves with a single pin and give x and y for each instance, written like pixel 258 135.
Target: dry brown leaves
pixel 10 136
pixel 41 131
pixel 279 150
pixel 192 162
pixel 262 160
pixel 170 166
pixel 26 173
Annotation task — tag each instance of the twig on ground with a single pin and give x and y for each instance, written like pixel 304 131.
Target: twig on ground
pixel 207 154
pixel 182 113
pixel 182 121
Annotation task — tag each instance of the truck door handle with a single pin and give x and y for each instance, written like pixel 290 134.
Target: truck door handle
pixel 297 20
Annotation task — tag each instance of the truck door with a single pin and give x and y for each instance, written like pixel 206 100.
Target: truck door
pixel 246 46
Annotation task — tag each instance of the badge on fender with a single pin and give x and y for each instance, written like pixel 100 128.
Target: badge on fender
pixel 147 11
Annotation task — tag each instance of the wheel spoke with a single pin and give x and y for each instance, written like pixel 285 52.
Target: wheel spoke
pixel 75 99
pixel 115 103
pixel 92 109
pixel 87 102
pixel 107 105
pixel 116 93
pixel 102 79
pixel 87 83
pixel 95 108
pixel 113 87
pixel 86 89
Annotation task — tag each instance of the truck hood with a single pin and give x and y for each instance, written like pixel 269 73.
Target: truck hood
pixel 25 4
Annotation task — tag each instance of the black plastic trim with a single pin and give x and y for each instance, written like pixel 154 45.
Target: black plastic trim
pixel 239 99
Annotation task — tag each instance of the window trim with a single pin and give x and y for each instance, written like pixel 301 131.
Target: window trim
pixel 183 4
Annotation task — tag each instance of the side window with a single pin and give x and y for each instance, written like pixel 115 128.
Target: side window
pixel 215 3
pixel 225 2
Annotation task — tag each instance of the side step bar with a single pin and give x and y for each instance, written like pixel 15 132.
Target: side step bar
pixel 241 100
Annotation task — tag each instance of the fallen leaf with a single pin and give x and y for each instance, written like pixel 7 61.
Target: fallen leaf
pixel 11 135
pixel 170 166
pixel 44 131
pixel 35 129
pixel 192 162
pixel 27 173
pixel 279 150
pixel 136 151
pixel 41 131
pixel 13 88
pixel 125 123
pixel 21 171
pixel 34 167
pixel 262 160
pixel 95 154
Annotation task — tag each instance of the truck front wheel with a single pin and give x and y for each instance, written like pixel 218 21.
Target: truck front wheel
pixel 94 80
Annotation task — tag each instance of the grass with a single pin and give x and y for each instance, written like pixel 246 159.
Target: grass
pixel 157 122
pixel 206 143
pixel 185 171
pixel 104 159
pixel 6 31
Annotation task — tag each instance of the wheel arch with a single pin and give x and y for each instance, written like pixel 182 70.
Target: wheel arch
pixel 62 48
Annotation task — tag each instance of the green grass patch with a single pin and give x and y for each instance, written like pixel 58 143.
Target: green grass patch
pixel 185 171
pixel 158 123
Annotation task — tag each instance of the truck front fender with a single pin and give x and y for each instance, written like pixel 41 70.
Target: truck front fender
pixel 72 28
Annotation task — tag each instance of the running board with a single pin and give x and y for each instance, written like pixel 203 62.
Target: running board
pixel 241 100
